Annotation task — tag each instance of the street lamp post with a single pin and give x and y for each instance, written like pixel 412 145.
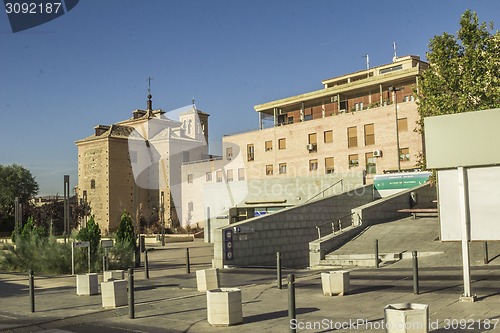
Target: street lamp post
pixel 395 90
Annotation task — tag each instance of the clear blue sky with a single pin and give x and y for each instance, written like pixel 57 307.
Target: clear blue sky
pixel 89 67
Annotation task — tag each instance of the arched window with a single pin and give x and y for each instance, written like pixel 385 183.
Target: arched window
pixel 92 184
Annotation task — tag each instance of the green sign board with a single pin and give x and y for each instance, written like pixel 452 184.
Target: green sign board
pixel 400 181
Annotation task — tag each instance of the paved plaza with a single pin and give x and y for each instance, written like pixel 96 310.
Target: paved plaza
pixel 169 300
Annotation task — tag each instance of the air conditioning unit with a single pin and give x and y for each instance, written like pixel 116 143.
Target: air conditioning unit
pixel 377 153
pixel 311 146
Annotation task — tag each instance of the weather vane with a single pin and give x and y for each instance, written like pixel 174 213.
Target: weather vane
pixel 149 84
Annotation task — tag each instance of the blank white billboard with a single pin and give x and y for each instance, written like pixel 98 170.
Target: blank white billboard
pixel 484 203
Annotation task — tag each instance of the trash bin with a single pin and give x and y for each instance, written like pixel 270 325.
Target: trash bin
pixel 224 307
pixel 86 284
pixel 207 279
pixel 406 318
pixel 114 293
pixel 113 275
pixel 335 283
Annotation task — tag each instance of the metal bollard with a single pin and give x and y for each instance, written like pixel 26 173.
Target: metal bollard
pixel 278 270
pixel 104 264
pixel 376 254
pixel 415 273
pixel 32 290
pixel 485 256
pixel 131 310
pixel 146 264
pixel 188 268
pixel 142 243
pixel 291 302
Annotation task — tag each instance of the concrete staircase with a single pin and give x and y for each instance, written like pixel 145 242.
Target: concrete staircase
pixel 397 240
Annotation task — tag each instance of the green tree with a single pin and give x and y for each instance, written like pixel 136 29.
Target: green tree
pixel 125 233
pixel 464 71
pixel 15 181
pixel 91 233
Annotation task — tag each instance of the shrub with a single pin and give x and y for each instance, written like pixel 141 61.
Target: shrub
pixel 35 250
pixel 125 233
pixel 91 233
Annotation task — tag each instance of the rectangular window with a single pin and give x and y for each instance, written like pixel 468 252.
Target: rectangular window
pixel 313 142
pixel 208 176
pixel 190 178
pixel 329 165
pixel 250 153
pixel 404 154
pixel 371 163
pixel 328 136
pixel 229 153
pixel 282 143
pixel 313 138
pixel 353 161
pixel 282 168
pixel 269 170
pixel 241 174
pixel 313 165
pixel 352 137
pixel 219 176
pixel 369 134
pixel 269 145
pixel 403 125
pixel 229 174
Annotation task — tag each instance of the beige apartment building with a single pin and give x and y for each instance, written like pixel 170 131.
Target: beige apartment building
pixel 358 125
pixel 134 166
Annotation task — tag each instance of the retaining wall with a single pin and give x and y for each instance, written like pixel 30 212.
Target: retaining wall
pixel 288 231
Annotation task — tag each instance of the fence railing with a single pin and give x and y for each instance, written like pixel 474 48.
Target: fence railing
pixel 337 225
pixel 326 189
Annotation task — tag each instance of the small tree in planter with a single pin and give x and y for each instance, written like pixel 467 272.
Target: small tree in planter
pixel 123 251
pixel 91 233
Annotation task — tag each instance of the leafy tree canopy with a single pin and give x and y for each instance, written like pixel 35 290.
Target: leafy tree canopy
pixel 15 181
pixel 464 71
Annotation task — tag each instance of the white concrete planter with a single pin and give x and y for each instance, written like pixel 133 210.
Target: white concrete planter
pixel 86 284
pixel 207 279
pixel 407 317
pixel 335 283
pixel 114 293
pixel 224 307
pixel 113 275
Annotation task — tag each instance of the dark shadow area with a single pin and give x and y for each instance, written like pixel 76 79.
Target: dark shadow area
pixel 275 315
pixel 98 304
pixel 11 289
pixel 171 313
pixel 143 288
pixel 368 289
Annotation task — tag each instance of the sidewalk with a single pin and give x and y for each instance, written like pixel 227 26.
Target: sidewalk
pixel 169 301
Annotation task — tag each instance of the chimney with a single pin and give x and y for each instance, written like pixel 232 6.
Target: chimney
pixel 100 129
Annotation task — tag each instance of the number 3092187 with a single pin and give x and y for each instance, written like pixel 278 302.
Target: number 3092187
pixel 32 8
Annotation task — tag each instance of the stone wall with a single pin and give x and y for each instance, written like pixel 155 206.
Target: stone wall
pixel 288 231
pixel 386 209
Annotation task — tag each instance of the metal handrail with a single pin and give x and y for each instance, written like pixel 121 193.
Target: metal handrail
pixel 326 189
pixel 339 223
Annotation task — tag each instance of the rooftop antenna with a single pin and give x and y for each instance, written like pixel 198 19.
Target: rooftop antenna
pixel 150 102
pixel 367 61
pixel 395 53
